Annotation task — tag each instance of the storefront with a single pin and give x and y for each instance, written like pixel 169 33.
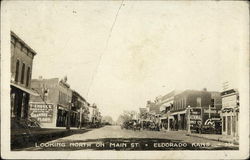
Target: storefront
pixel 20 101
pixel 230 112
pixel 179 121
pixel 230 121
pixel 62 116
pixel 164 123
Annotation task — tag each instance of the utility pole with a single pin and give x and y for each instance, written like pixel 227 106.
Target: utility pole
pixel 209 111
pixel 68 118
pixel 80 125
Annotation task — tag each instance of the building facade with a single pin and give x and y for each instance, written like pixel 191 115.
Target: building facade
pixel 193 99
pixel 230 112
pixel 21 72
pixel 167 104
pixel 79 111
pixel 94 115
pixel 54 102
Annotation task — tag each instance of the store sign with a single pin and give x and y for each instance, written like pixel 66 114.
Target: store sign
pixel 42 112
pixel 210 111
pixel 195 118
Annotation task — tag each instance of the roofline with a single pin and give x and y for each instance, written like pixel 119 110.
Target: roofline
pixel 25 44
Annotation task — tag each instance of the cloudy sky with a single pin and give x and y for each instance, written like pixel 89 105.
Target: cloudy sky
pixel 121 54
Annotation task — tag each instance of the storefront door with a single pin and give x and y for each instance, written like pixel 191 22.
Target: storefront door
pixel 229 125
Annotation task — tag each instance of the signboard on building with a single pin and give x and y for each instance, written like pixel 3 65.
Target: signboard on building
pixel 195 118
pixel 42 112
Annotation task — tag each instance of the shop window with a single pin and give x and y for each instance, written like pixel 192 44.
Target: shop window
pixel 17 70
pixel 212 102
pixel 28 77
pixel 22 76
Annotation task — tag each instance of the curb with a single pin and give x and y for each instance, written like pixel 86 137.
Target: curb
pixel 213 139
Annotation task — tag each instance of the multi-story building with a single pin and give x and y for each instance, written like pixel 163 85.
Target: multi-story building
pixel 21 71
pixel 192 99
pixel 79 110
pixel 166 105
pixel 95 115
pixel 213 110
pixel 51 108
pixel 230 112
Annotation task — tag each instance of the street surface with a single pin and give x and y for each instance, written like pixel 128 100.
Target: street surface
pixel 115 138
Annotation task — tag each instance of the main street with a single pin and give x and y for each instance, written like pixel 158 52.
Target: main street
pixel 115 138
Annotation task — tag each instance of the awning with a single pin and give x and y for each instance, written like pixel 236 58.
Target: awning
pixel 29 91
pixel 180 112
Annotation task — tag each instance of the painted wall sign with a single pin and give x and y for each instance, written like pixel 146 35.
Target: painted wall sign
pixel 42 112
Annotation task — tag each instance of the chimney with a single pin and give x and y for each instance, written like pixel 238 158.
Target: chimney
pixel 40 77
pixel 204 89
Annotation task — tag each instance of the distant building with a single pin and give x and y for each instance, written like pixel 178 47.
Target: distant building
pixel 54 102
pixel 21 72
pixel 79 110
pixel 166 105
pixel 230 112
pixel 95 114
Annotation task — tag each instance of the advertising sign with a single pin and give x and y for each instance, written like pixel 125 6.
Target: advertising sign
pixel 195 118
pixel 42 112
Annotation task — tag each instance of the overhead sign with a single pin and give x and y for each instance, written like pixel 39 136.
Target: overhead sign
pixel 42 112
pixel 210 111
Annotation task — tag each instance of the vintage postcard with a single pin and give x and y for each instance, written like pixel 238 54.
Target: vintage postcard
pixel 124 79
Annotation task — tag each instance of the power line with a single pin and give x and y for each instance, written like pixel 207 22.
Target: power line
pixel 106 46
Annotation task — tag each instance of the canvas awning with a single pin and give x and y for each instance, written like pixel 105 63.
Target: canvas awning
pixel 29 91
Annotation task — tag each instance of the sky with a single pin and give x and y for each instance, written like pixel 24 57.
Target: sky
pixel 121 54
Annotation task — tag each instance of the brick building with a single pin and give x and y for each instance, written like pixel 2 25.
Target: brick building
pixel 21 72
pixel 52 106
pixel 79 110
pixel 197 100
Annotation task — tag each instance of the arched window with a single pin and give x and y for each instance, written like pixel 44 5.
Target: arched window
pixel 17 70
pixel 28 77
pixel 22 76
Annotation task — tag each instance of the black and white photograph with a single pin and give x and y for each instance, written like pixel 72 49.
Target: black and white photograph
pixel 124 79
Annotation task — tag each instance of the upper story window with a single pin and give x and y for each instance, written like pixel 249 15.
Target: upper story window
pixel 198 101
pixel 17 70
pixel 22 76
pixel 28 77
pixel 212 103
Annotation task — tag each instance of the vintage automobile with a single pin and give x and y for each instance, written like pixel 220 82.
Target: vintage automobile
pixel 128 124
pixel 211 126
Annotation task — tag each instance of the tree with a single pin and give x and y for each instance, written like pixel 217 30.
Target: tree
pixel 107 119
pixel 126 116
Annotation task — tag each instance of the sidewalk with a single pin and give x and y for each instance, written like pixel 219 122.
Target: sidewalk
pixel 216 137
pixel 26 137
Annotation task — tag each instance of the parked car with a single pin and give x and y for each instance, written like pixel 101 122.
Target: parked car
pixel 211 126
